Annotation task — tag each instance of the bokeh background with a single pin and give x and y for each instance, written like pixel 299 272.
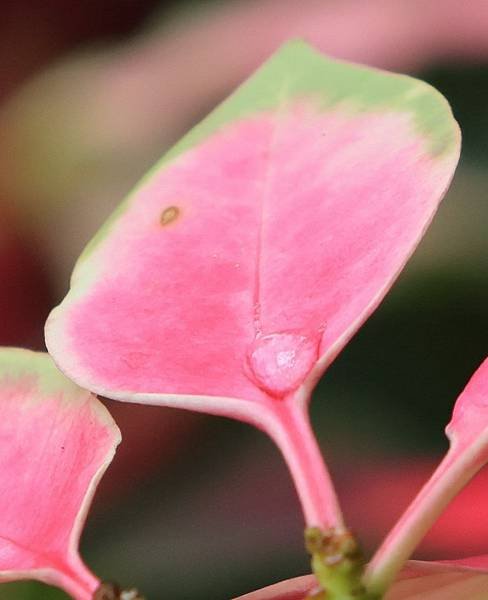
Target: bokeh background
pixel 196 507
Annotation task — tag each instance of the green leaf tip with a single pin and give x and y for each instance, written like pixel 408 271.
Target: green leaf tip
pixel 364 88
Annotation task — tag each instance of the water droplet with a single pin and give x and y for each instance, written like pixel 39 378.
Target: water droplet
pixel 169 215
pixel 280 362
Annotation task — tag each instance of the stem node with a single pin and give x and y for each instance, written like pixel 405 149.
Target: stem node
pixel 338 564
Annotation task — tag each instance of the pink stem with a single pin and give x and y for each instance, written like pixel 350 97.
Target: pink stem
pixel 77 591
pixel 295 438
pixel 77 581
pixel 453 473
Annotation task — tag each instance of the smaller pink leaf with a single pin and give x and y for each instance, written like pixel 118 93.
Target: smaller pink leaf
pixel 56 440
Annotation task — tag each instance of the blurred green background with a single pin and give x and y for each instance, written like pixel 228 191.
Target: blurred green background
pixel 201 507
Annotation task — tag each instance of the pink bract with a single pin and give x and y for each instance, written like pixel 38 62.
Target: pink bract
pixel 236 272
pixel 264 242
pixel 56 440
pixel 287 223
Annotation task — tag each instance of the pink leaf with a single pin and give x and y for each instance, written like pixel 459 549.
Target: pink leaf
pixel 238 270
pixel 56 440
pixel 263 240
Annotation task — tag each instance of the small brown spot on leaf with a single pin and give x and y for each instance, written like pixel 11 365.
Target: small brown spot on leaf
pixel 169 215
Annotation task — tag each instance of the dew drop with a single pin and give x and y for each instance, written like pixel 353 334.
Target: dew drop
pixel 280 362
pixel 169 215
